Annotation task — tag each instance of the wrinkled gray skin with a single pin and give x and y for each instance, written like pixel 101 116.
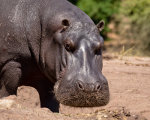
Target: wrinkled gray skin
pixel 54 47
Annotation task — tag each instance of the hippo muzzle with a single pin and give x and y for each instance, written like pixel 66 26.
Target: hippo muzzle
pixel 80 93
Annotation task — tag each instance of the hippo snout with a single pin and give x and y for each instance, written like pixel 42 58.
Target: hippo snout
pixel 82 93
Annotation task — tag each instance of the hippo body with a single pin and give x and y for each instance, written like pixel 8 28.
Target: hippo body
pixel 54 47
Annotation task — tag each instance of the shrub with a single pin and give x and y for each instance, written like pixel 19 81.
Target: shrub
pixel 138 14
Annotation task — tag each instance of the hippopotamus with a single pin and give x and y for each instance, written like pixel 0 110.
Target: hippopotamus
pixel 56 48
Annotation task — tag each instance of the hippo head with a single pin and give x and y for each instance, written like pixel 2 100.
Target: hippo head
pixel 80 82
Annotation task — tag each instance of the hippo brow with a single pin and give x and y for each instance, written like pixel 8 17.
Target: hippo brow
pixel 78 25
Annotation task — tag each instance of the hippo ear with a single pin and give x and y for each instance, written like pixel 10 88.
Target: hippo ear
pixel 100 25
pixel 65 23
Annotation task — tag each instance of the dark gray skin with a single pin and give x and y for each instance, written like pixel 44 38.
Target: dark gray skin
pixel 54 47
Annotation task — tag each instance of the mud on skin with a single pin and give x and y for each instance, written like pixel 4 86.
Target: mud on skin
pixel 54 47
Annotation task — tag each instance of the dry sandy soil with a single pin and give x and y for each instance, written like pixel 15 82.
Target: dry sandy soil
pixel 129 82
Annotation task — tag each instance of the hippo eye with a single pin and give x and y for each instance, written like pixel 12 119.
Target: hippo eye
pixel 69 46
pixel 98 51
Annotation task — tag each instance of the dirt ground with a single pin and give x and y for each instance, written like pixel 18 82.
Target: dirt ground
pixel 129 82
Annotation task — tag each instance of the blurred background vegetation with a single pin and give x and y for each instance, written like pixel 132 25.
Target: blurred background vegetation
pixel 127 24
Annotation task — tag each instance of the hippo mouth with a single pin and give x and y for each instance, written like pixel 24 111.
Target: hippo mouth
pixel 75 98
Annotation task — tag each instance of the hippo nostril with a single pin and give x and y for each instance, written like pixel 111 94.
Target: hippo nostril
pixel 80 85
pixel 98 87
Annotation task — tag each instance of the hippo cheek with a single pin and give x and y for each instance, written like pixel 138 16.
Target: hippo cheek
pixel 72 96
